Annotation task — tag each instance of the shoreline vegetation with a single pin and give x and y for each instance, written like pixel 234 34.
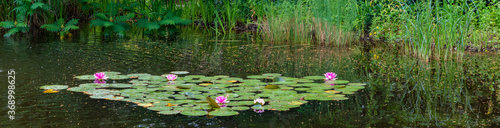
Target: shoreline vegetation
pixel 427 29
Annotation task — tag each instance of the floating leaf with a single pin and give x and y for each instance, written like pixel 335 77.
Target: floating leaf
pixel 50 91
pixel 272 86
pixel 54 87
pixel 194 113
pixel 212 103
pixel 168 112
pixel 223 113
pixel 101 96
pixel 179 72
pixel 257 77
pixel 315 77
pixel 271 75
pixel 240 108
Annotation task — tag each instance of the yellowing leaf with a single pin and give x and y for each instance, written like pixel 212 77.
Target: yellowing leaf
pixel 50 91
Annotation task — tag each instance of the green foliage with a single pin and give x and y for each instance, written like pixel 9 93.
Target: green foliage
pixel 162 22
pixel 28 8
pixel 117 24
pixel 60 27
pixel 14 27
pixel 111 19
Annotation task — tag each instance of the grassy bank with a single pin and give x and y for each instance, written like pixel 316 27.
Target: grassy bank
pixel 427 29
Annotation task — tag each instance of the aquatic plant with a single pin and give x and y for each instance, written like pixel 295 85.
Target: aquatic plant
pixel 61 28
pixel 14 27
pixel 330 76
pixel 190 95
pixel 100 76
pixel 221 100
pixel 162 22
pixel 260 101
pixel 171 77
pixel 111 20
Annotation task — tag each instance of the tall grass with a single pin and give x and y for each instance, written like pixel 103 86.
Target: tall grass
pixel 303 21
pixel 434 29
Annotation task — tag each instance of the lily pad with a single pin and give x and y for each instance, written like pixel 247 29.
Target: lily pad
pixel 238 108
pixel 212 102
pixel 194 113
pixel 169 112
pixel 257 77
pixel 271 74
pixel 179 72
pixel 85 77
pixel 103 96
pixel 315 77
pixel 55 87
pixel 223 113
pixel 272 86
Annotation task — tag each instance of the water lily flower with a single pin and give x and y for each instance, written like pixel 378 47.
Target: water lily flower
pixel 258 111
pixel 221 100
pixel 171 77
pixel 260 101
pixel 330 76
pixel 100 76
pixel 99 81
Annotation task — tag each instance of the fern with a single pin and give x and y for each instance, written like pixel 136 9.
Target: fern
pixel 157 22
pixel 14 27
pixel 60 27
pixel 7 24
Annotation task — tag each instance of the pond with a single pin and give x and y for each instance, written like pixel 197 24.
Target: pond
pixel 400 91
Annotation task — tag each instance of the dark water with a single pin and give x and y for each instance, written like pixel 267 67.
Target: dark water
pixel 402 91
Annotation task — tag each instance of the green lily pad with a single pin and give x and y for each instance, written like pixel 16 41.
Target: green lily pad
pixel 271 74
pixel 160 108
pixel 112 73
pixel 101 96
pixel 337 82
pixel 118 77
pixel 85 77
pixel 238 108
pixel 179 72
pixel 272 86
pixel 168 112
pixel 315 77
pixel 55 87
pixel 223 113
pixel 119 85
pixel 212 103
pixel 257 77
pixel 194 113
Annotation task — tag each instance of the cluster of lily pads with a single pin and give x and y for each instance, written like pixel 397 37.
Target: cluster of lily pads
pixel 193 95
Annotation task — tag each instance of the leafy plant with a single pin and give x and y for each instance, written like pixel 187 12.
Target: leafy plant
pixel 162 22
pixel 14 27
pixel 61 28
pixel 111 20
pixel 26 8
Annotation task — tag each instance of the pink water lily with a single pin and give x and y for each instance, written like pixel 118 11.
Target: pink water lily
pixel 260 101
pixel 258 111
pixel 100 76
pixel 221 100
pixel 330 76
pixel 171 77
